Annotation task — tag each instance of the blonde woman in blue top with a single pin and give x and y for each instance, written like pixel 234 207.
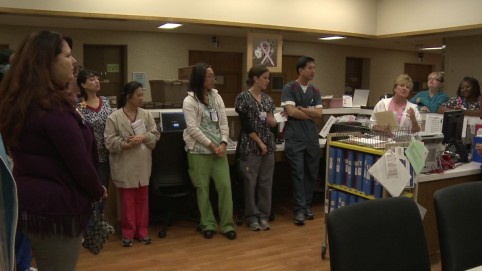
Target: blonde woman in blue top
pixel 256 147
pixel 429 101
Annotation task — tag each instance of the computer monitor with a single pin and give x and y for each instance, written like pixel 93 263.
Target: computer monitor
pixel 452 127
pixel 172 121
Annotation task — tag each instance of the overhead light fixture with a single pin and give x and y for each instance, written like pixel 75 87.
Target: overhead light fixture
pixel 170 26
pixel 332 38
pixel 432 48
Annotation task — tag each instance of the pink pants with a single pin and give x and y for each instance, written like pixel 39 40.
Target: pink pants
pixel 134 212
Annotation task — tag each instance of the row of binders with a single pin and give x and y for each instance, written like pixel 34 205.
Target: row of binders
pixel 350 168
pixel 340 199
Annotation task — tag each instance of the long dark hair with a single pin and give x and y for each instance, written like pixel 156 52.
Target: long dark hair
pixel 127 91
pixel 196 83
pixel 30 82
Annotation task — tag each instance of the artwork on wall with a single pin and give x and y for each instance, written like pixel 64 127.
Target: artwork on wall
pixel 265 49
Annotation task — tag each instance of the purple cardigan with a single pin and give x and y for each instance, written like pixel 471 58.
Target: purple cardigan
pixel 55 171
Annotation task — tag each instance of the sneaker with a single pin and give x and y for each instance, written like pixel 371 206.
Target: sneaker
pixel 145 240
pixel 299 219
pixel 254 226
pixel 31 269
pixel 127 242
pixel 264 225
pixel 309 214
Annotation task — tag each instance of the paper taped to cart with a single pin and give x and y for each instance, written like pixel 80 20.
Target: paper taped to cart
pixel 391 174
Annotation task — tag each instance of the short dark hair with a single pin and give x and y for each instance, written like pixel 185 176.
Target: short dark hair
pixel 128 89
pixel 475 86
pixel 302 62
pixel 256 70
pixel 82 78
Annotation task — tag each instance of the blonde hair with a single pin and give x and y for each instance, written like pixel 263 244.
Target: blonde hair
pixel 403 79
pixel 438 75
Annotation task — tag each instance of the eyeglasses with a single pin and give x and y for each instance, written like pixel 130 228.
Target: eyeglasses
pixel 434 78
pixel 211 77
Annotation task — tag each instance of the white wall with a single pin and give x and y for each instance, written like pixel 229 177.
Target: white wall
pixel 160 55
pixel 358 17
pixel 463 57
pixel 401 17
pixel 352 16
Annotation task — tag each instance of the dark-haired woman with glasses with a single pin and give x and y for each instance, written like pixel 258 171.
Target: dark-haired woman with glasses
pixel 206 136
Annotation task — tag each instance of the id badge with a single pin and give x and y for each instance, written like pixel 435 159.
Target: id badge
pixel 214 115
pixel 263 115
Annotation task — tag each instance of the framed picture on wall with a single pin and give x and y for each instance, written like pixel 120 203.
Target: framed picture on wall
pixel 265 49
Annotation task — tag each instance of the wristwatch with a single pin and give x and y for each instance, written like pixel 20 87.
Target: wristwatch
pixel 299 107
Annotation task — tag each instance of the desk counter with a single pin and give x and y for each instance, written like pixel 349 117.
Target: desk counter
pixel 428 184
pixel 230 112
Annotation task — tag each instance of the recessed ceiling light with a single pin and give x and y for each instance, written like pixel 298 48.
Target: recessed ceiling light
pixel 332 38
pixel 433 48
pixel 169 26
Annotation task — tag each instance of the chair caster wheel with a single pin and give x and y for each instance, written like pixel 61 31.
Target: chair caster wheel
pixel 239 220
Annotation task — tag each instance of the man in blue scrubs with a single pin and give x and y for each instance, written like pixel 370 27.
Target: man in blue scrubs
pixel 302 103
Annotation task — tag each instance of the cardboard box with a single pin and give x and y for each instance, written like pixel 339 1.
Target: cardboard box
pixel 169 92
pixel 336 103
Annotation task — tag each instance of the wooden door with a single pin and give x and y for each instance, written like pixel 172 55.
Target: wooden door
pixel 109 61
pixel 419 74
pixel 227 67
pixel 353 74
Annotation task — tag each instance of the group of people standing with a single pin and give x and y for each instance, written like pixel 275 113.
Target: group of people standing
pixel 207 134
pixel 64 146
pixel 67 144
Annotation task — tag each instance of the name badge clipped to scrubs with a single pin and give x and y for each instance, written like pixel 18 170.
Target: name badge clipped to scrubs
pixel 214 115
pixel 263 115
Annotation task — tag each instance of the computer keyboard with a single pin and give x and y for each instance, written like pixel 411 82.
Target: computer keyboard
pixel 427 134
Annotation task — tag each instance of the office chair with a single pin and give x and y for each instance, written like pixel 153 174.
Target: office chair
pixel 377 235
pixel 170 178
pixel 458 210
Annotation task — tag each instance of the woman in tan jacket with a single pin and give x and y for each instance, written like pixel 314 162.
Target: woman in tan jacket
pixel 130 136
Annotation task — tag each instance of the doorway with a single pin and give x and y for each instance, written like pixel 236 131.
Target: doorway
pixel 110 62
pixel 357 74
pixel 419 74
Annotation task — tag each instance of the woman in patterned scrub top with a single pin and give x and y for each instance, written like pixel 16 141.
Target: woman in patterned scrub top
pixel 468 96
pixel 95 111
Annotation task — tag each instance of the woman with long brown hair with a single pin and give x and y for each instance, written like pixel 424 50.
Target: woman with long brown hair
pixel 52 148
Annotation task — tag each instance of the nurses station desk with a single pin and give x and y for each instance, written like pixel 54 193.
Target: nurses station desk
pixel 427 183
